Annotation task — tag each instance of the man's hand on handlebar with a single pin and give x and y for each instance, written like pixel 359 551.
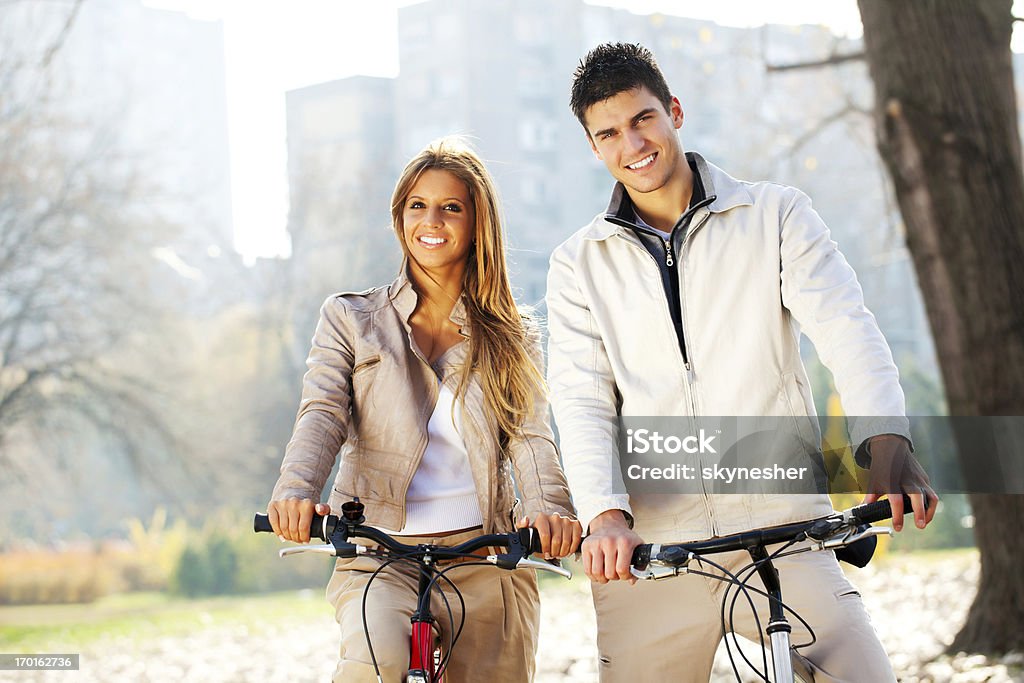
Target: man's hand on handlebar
pixel 291 517
pixel 894 469
pixel 608 548
pixel 559 536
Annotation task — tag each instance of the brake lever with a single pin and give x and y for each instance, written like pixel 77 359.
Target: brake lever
pixel 656 572
pixel 527 563
pixel 854 535
pixel 510 561
pixel 325 549
pixel 340 550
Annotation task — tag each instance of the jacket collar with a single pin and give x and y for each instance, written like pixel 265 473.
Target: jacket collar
pixel 403 297
pixel 724 191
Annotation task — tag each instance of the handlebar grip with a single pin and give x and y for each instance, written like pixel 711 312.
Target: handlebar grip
pixel 261 524
pixel 641 556
pixel 880 509
pixel 530 540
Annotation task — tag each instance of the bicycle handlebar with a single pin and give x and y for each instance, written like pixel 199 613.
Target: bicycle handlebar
pixel 523 542
pixel 817 529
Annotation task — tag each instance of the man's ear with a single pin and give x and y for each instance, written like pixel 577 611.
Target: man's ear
pixel 676 112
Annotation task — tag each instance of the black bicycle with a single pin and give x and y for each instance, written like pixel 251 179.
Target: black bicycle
pixel 427 658
pixel 849 533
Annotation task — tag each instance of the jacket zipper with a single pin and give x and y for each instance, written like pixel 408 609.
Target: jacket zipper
pixel 680 273
pixel 690 378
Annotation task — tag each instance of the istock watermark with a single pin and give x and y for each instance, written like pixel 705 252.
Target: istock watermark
pixel 648 441
pixel 787 454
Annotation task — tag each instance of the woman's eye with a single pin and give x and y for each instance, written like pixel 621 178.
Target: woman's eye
pixel 416 204
pixel 455 208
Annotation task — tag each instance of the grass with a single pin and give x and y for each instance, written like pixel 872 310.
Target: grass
pixel 41 628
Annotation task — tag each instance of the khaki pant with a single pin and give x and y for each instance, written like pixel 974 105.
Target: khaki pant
pixel 499 639
pixel 669 630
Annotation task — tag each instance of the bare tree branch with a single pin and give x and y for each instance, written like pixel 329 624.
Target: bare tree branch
pixel 62 36
pixel 818 127
pixel 816 64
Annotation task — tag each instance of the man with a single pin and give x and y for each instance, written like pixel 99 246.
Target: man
pixel 687 297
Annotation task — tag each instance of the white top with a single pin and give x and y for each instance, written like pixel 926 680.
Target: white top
pixel 442 495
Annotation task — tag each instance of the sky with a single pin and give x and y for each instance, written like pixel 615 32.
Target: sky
pixel 275 46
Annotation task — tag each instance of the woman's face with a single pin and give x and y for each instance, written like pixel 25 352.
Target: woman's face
pixel 438 221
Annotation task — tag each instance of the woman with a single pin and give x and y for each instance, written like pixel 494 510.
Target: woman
pixel 430 388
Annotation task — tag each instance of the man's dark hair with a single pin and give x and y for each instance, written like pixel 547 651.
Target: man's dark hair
pixel 612 68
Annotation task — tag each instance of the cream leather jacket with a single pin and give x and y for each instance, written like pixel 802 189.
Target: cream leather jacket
pixel 368 395
pixel 756 267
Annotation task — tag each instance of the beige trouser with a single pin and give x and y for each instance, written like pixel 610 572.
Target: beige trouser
pixel 669 630
pixel 499 639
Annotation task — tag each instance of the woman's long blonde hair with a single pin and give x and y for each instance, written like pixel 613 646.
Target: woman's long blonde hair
pixel 498 342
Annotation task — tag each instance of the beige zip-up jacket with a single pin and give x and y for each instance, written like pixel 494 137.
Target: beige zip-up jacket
pixel 368 395
pixel 755 268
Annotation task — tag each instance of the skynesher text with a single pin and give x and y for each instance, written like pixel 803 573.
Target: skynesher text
pixel 715 473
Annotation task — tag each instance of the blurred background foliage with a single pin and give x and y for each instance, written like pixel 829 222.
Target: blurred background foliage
pixel 215 558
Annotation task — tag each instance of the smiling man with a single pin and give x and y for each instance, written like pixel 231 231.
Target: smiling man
pixel 687 296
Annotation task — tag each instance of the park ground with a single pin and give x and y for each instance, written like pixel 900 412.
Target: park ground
pixel 917 601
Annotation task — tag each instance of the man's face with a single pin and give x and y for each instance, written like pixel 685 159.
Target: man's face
pixel 636 138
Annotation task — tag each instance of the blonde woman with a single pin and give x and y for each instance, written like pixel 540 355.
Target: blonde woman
pixel 431 390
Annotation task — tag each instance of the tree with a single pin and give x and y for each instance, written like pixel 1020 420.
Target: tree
pixel 79 325
pixel 946 126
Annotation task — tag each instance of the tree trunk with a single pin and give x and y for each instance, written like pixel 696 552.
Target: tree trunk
pixel 947 130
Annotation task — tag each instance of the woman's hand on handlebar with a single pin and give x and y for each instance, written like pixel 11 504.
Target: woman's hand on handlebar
pixel 559 536
pixel 291 517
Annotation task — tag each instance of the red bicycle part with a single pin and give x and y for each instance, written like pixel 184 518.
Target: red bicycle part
pixel 421 650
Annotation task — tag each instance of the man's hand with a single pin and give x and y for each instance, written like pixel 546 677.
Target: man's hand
pixel 559 536
pixel 608 549
pixel 291 517
pixel 894 469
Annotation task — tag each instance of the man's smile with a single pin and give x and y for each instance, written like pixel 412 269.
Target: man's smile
pixel 643 163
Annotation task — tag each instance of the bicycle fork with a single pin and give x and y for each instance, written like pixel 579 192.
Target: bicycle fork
pixel 778 629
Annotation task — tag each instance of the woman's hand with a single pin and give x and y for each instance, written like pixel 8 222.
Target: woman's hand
pixel 291 517
pixel 559 536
